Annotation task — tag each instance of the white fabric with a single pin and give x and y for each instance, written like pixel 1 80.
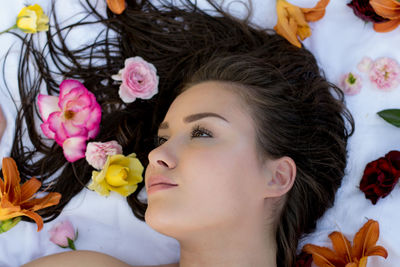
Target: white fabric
pixel 339 41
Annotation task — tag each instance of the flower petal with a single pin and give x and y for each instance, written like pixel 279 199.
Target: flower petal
pixel 29 188
pixel 124 94
pixel 47 105
pixel 386 26
pixel 317 12
pixel 116 6
pixel 377 251
pixel 74 148
pixel 386 8
pixel 11 180
pixel 34 216
pixel 55 125
pixel 67 85
pixel 323 256
pixel 365 238
pixel 51 199
pixel 47 131
pixel 341 245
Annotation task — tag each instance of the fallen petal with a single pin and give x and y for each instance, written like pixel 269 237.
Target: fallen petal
pixel 74 148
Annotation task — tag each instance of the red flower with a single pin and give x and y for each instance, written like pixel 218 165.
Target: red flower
pixel 364 10
pixel 380 176
pixel 304 260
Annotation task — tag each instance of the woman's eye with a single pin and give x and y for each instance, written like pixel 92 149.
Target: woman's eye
pixel 159 140
pixel 201 132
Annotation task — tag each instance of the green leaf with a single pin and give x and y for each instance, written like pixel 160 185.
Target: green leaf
pixel 392 116
pixel 71 244
pixel 8 224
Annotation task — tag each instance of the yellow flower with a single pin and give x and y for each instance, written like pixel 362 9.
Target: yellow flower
pixel 120 174
pixel 31 19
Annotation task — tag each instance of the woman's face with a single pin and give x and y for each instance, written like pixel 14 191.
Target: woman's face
pixel 207 151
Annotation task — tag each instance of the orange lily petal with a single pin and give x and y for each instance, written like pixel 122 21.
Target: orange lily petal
pixel 40 203
pixel 386 8
pixel 377 251
pixel 34 216
pixel 365 238
pixel 116 6
pixel 323 256
pixel 11 180
pixel 289 17
pixel 341 245
pixel 317 12
pixel 386 26
pixel 351 264
pixel 29 188
pixel 1 187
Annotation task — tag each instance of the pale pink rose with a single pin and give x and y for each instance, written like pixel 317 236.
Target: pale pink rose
pixel 351 83
pixel 71 118
pixel 97 152
pixel 384 73
pixel 365 64
pixel 139 80
pixel 60 233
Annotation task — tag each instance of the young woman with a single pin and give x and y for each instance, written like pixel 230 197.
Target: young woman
pixel 251 144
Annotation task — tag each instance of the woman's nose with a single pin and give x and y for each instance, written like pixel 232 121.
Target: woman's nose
pixel 162 157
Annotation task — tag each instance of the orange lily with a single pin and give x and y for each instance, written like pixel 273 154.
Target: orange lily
pixel 116 6
pixel 292 20
pixel 389 9
pixel 345 255
pixel 17 200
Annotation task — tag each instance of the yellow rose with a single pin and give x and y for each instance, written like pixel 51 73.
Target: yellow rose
pixel 120 174
pixel 31 19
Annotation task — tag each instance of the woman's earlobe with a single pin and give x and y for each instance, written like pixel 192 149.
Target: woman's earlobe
pixel 281 176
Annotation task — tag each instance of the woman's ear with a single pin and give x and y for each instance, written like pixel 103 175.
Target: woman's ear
pixel 280 176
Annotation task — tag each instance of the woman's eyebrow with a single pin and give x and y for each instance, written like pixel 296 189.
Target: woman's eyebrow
pixel 194 117
pixel 198 116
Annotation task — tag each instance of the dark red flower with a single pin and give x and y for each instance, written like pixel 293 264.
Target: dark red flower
pixel 304 260
pixel 365 11
pixel 380 176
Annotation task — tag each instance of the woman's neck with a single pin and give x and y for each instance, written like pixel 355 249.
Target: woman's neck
pixel 242 247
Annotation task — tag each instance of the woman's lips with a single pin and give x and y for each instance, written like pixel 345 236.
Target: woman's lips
pixel 157 183
pixel 157 187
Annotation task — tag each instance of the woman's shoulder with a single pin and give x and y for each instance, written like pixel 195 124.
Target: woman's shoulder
pixel 84 258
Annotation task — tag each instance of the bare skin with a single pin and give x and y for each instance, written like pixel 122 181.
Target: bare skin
pixel 82 258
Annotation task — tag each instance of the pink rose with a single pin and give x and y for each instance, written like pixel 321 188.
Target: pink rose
pixel 139 80
pixel 384 73
pixel 71 118
pixel 351 83
pixel 97 152
pixel 63 234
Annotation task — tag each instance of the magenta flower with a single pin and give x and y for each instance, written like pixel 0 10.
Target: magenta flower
pixel 139 80
pixel 71 118
pixel 63 234
pixel 350 83
pixel 97 152
pixel 384 73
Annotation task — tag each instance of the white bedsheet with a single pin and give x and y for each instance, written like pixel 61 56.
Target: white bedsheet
pixel 339 41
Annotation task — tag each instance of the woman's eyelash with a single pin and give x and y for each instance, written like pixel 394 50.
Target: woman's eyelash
pixel 196 132
pixel 159 140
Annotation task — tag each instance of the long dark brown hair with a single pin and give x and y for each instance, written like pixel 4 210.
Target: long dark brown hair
pixel 284 87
